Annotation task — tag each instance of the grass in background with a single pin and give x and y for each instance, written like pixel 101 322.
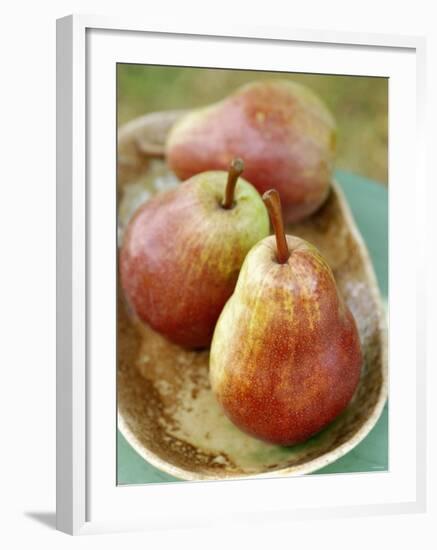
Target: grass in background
pixel 359 104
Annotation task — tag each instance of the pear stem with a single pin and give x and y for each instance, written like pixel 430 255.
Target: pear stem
pixel 235 170
pixel 272 201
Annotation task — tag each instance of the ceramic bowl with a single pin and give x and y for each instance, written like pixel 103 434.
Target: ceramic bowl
pixel 166 409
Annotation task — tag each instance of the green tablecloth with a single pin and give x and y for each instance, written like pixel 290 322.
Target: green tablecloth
pixel 369 203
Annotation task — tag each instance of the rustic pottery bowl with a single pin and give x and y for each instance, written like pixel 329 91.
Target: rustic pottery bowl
pixel 166 409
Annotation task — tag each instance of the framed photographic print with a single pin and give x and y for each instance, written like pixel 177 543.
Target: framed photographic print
pixel 232 320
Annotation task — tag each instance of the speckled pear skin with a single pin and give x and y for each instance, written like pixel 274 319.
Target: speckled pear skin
pixel 182 253
pixel 286 355
pixel 282 130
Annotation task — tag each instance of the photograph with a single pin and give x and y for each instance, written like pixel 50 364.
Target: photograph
pixel 252 277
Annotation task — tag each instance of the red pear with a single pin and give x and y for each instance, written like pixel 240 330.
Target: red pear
pixel 284 132
pixel 286 356
pixel 182 252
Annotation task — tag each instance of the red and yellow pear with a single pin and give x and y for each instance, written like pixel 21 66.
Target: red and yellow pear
pixel 182 252
pixel 284 132
pixel 285 357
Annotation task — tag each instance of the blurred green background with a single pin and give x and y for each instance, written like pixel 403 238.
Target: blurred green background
pixel 359 104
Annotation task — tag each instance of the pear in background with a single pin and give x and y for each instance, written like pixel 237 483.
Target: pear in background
pixel 282 130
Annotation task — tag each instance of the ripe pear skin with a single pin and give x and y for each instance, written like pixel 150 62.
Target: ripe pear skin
pixel 182 252
pixel 284 132
pixel 286 356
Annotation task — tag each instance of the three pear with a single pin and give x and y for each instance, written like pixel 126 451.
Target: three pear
pixel 198 266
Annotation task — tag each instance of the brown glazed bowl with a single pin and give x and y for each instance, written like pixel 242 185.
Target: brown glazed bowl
pixel 166 409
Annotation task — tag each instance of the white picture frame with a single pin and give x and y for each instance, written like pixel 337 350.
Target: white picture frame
pixel 87 499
